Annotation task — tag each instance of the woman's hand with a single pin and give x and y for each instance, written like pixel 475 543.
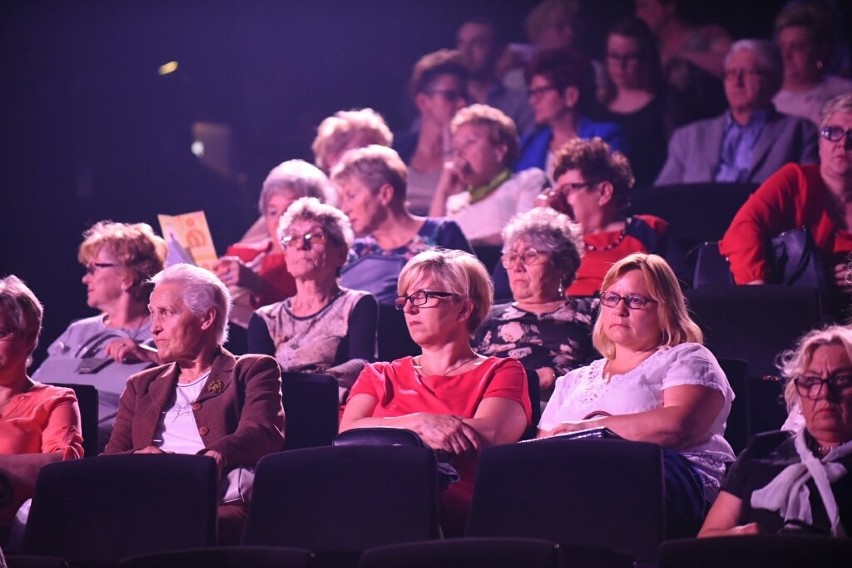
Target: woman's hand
pixel 220 462
pixel 150 450
pixel 234 272
pixel 566 427
pixel 843 277
pixel 450 183
pixel 125 350
pixel 546 378
pixel 450 434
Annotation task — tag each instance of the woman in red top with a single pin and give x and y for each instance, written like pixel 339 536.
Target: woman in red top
pixel 457 400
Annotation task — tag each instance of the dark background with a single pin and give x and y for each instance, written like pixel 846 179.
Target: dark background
pixel 90 131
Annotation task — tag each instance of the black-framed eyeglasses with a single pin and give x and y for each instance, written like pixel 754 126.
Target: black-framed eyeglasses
pixel 536 92
pixel 835 133
pixel 632 301
pixel 450 95
pixel 306 240
pixel 839 386
pixel 93 267
pixel 420 298
pixel 527 257
pixel 570 186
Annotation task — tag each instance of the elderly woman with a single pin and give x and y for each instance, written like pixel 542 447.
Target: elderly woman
pixel 236 413
pixel 635 97
pixel 119 258
pixel 540 327
pixel 798 481
pixel 477 188
pixel 39 423
pixel 438 88
pixel 656 383
pixel 562 93
pixel 804 33
pixel 457 400
pixel 256 272
pixel 372 185
pixel 814 196
pixel 593 186
pixel 322 327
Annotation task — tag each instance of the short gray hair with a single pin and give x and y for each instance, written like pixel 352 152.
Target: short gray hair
pixel 297 177
pixel 794 362
pixel 768 58
pixel 547 230
pixel 200 290
pixel 22 307
pixel 840 103
pixel 332 220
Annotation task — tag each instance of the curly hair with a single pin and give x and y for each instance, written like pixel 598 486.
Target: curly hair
pixel 596 161
pixel 547 230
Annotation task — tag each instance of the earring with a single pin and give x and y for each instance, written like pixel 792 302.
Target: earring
pixel 561 289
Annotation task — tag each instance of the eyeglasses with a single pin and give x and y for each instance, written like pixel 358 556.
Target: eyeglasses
pixel 451 95
pixel 622 58
pixel 420 298
pixel 7 334
pixel 93 267
pixel 835 133
pixel 632 301
pixel 536 92
pixel 731 74
pixel 528 257
pixel 306 240
pixel 839 386
pixel 575 186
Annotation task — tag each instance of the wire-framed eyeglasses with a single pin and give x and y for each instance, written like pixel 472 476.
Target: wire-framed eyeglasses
pixel 420 298
pixel 632 301
pixel 528 257
pixel 306 240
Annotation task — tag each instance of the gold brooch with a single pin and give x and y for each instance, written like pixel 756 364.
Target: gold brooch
pixel 216 387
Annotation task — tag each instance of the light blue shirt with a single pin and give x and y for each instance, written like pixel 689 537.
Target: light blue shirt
pixel 738 147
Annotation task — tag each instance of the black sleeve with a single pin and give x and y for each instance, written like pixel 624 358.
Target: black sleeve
pixel 360 342
pixel 259 339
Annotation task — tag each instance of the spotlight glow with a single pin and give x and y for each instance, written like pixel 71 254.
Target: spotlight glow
pixel 167 68
pixel 197 148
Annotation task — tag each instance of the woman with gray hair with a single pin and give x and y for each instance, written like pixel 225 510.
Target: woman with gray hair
pixel 798 481
pixel 255 269
pixel 541 328
pixel 203 400
pixel 323 327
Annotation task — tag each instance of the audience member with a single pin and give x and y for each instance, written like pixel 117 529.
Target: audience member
pixel 805 35
pixel 656 383
pixel 39 423
pixel 323 328
pixel 593 186
pixel 456 400
pixel 203 400
pixel 692 56
pixel 438 87
pixel 256 273
pixel 815 196
pixel 634 96
pixel 562 94
pixel 372 185
pixel 477 188
pixel 751 140
pixel 540 328
pixel 119 258
pixel 798 482
pixel 480 46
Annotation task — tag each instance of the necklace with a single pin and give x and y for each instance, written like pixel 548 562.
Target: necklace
pixel 420 371
pixel 613 244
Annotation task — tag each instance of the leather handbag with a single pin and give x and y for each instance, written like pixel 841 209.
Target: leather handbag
pixel 796 261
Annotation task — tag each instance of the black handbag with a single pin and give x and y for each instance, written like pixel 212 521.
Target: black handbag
pixel 795 260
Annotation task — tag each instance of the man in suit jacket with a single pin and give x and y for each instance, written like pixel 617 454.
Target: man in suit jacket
pixel 751 140
pixel 203 400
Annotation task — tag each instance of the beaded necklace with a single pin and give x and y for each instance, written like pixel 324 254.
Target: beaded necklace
pixel 613 244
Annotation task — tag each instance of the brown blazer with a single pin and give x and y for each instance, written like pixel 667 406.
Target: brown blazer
pixel 239 412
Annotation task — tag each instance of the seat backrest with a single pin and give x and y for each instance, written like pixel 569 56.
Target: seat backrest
pixel 378 437
pixel 112 507
pixel 535 401
pixel 738 429
pixel 754 323
pixel 757 551
pixel 87 400
pixel 311 409
pixel 710 268
pixel 599 493
pixel 225 557
pixel 466 552
pixel 347 498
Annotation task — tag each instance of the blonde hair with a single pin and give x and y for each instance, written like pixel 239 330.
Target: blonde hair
pixel 794 362
pixel 347 129
pixel 676 326
pixel 501 128
pixel 459 272
pixel 22 307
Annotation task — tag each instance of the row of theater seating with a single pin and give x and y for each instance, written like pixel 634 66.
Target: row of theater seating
pixel 338 502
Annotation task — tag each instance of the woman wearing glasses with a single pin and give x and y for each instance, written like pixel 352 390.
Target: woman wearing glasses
pixel 656 383
pixel 540 327
pixel 798 481
pixel 323 327
pixel 456 400
pixel 818 197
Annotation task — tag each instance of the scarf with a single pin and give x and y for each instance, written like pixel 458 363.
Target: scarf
pixel 480 192
pixel 788 493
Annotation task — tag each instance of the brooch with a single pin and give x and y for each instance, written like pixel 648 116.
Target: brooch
pixel 216 387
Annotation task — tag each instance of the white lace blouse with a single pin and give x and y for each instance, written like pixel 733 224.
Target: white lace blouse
pixel 584 390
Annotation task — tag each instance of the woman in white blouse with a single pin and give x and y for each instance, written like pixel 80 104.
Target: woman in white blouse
pixel 656 383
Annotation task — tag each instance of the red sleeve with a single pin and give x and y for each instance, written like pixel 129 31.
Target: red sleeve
pixel 769 211
pixel 510 382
